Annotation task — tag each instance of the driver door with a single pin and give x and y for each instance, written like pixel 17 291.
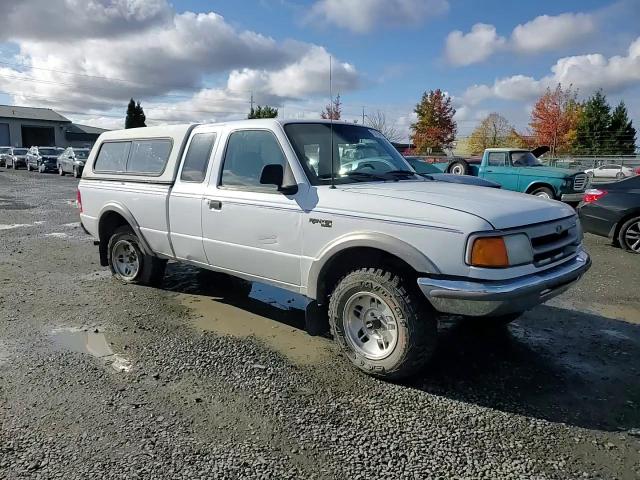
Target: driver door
pixel 249 228
pixel 499 170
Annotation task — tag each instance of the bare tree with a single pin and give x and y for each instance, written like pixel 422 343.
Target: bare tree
pixel 378 120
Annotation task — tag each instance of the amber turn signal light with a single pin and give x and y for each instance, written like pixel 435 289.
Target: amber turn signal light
pixel 489 252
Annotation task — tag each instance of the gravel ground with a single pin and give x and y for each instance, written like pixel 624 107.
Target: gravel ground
pixel 104 380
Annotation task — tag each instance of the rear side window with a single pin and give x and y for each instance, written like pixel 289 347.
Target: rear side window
pixel 197 159
pixel 147 157
pixel 113 157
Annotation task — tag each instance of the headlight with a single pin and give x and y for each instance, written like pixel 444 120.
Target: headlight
pixel 500 251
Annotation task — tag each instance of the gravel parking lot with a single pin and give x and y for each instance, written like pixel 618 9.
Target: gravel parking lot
pixel 103 380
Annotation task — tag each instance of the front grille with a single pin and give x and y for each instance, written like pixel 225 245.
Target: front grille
pixel 580 181
pixel 554 241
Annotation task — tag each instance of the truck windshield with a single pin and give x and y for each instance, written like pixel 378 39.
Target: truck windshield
pixel 525 159
pixel 360 154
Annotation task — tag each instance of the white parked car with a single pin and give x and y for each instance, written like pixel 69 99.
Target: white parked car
pixel 610 171
pixel 381 251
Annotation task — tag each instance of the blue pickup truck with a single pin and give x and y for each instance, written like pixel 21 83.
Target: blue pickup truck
pixel 522 171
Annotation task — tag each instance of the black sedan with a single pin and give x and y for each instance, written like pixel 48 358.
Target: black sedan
pixel 427 170
pixel 613 210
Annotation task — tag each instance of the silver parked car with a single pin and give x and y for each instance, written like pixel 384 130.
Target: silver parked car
pixel 72 161
pixel 15 158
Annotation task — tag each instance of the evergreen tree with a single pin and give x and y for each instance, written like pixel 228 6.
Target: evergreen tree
pixel 131 111
pixel 263 112
pixel 593 130
pixel 622 138
pixel 135 115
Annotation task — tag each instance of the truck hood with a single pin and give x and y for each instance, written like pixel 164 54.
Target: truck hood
pixel 500 208
pixel 548 172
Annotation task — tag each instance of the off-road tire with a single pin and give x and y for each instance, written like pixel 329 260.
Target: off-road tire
pixel 541 191
pixel 417 322
pixel 151 271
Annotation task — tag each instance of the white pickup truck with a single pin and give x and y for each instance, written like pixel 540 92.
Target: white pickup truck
pixel 384 252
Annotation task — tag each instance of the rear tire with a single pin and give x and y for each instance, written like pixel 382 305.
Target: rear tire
pixel 129 264
pixel 459 167
pixel 382 323
pixel 629 235
pixel 543 192
pixel 619 175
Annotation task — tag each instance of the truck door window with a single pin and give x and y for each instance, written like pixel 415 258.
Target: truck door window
pixel 195 164
pixel 248 151
pixel 497 159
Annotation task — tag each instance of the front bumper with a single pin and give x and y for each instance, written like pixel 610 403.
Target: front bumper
pixel 572 197
pixel 489 298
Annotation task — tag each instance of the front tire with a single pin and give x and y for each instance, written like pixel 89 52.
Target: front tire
pixel 60 170
pixel 543 192
pixel 629 235
pixel 75 172
pixel 620 175
pixel 382 323
pixel 129 264
pixel 28 167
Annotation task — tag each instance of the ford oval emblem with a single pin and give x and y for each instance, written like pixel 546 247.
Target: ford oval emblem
pixel 559 229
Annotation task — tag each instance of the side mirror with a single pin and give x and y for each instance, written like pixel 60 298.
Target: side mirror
pixel 274 174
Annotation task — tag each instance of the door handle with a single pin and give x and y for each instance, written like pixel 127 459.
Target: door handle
pixel 489 171
pixel 214 204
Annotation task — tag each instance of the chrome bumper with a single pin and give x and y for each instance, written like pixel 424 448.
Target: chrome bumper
pixel 484 298
pixel 572 197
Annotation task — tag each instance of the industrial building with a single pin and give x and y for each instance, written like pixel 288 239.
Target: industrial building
pixel 28 126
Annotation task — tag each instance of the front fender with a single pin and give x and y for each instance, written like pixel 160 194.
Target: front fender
pixel 399 248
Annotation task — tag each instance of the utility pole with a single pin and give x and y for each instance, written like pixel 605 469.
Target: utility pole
pixel 363 115
pixel 252 100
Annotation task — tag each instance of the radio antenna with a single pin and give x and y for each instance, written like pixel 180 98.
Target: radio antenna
pixel 331 113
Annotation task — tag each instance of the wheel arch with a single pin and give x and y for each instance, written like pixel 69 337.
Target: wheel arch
pixel 615 231
pixel 539 184
pixel 112 216
pixel 355 250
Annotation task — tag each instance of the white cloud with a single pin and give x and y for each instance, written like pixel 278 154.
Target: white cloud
pixel 584 72
pixel 146 50
pixel 551 32
pixel 477 45
pixel 540 34
pixel 363 17
pixel 72 19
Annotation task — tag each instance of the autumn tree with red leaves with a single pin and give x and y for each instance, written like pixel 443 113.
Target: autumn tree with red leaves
pixel 554 119
pixel 435 130
pixel 333 111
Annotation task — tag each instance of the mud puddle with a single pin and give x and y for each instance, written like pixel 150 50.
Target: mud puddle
pixel 92 343
pixel 273 316
pixel 627 313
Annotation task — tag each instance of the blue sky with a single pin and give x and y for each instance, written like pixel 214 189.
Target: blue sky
pixel 489 55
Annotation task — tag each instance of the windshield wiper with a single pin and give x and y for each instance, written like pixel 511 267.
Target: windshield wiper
pixel 358 176
pixel 401 173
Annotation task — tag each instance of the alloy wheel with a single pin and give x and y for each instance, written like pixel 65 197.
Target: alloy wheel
pixel 125 259
pixel 632 237
pixel 370 325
